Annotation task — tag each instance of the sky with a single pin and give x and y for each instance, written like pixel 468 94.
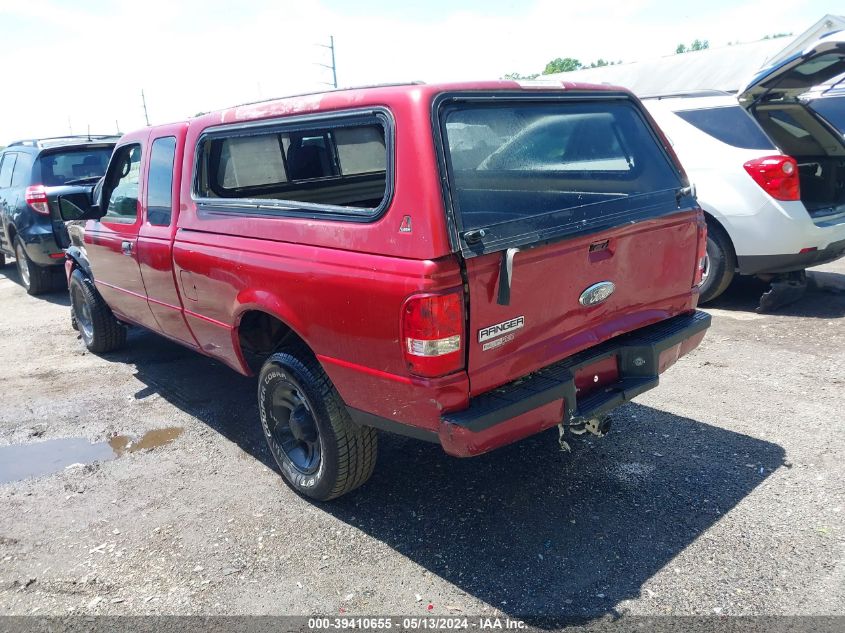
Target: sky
pixel 66 65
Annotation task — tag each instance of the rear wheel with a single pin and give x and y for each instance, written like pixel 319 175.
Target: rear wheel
pixel 34 278
pixel 322 454
pixel 719 264
pixel 99 330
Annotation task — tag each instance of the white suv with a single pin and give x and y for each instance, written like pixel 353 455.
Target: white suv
pixel 769 172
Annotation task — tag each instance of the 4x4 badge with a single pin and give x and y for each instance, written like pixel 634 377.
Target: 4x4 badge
pixel 597 293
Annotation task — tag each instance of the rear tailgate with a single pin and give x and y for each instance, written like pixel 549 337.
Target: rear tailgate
pixel 649 263
pixel 574 223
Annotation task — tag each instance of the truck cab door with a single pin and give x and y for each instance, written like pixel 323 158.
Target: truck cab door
pixel 112 241
pixel 160 204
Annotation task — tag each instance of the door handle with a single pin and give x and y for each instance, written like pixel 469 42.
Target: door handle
pixel 126 247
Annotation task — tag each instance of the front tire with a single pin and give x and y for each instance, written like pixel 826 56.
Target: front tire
pixel 720 264
pixel 34 278
pixel 100 331
pixel 322 454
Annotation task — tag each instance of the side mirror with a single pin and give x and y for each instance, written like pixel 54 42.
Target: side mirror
pixel 78 206
pixel 82 205
pixel 97 193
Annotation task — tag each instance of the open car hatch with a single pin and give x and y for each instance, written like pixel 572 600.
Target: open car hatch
pixel 817 64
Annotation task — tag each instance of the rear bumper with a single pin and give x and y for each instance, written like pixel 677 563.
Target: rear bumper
pixel 40 244
pixel 756 264
pixel 771 238
pixel 549 396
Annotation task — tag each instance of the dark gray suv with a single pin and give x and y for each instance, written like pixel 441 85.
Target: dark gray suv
pixel 34 175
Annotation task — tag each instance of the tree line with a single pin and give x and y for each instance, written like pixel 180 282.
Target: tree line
pixel 568 64
pixel 562 65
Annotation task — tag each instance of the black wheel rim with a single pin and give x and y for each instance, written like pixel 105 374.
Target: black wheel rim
pixel 23 265
pixel 83 313
pixel 292 429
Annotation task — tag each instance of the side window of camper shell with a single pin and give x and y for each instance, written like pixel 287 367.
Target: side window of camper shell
pixel 336 165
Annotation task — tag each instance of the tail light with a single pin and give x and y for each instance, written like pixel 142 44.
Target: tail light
pixel 36 197
pixel 701 254
pixel 433 333
pixel 777 175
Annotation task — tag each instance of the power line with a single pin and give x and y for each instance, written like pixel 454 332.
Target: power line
pixel 144 101
pixel 333 67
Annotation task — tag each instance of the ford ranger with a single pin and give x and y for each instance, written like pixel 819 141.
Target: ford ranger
pixel 467 264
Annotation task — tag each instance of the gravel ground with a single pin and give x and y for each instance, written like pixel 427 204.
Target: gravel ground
pixel 719 492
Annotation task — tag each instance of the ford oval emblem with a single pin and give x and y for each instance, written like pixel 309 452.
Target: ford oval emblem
pixel 597 293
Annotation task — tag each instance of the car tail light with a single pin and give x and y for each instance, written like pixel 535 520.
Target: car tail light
pixel 36 197
pixel 701 254
pixel 433 333
pixel 777 175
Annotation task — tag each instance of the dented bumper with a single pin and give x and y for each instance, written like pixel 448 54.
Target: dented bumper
pixel 554 394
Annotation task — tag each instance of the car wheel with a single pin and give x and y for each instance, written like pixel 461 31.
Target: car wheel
pixel 719 264
pixel 100 331
pixel 321 452
pixel 34 279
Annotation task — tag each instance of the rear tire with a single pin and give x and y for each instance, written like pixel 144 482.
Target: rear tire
pixel 35 279
pixel 322 454
pixel 720 264
pixel 100 331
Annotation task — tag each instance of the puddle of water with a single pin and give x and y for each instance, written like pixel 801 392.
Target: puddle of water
pixel 42 458
pixel 121 444
pixel 22 461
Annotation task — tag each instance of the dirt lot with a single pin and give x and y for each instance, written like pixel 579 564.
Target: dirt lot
pixel 719 492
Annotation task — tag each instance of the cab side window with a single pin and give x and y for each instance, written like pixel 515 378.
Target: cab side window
pixel 7 164
pixel 160 181
pixel 120 191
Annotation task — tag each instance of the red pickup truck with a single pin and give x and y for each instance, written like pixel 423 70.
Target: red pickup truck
pixel 467 264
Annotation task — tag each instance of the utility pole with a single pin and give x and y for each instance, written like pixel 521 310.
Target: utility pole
pixel 117 126
pixel 333 67
pixel 69 126
pixel 144 101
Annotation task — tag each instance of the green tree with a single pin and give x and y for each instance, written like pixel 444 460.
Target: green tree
pixel 775 36
pixel 697 45
pixel 561 65
pixel 520 77
pixel 564 65
pixel 602 62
